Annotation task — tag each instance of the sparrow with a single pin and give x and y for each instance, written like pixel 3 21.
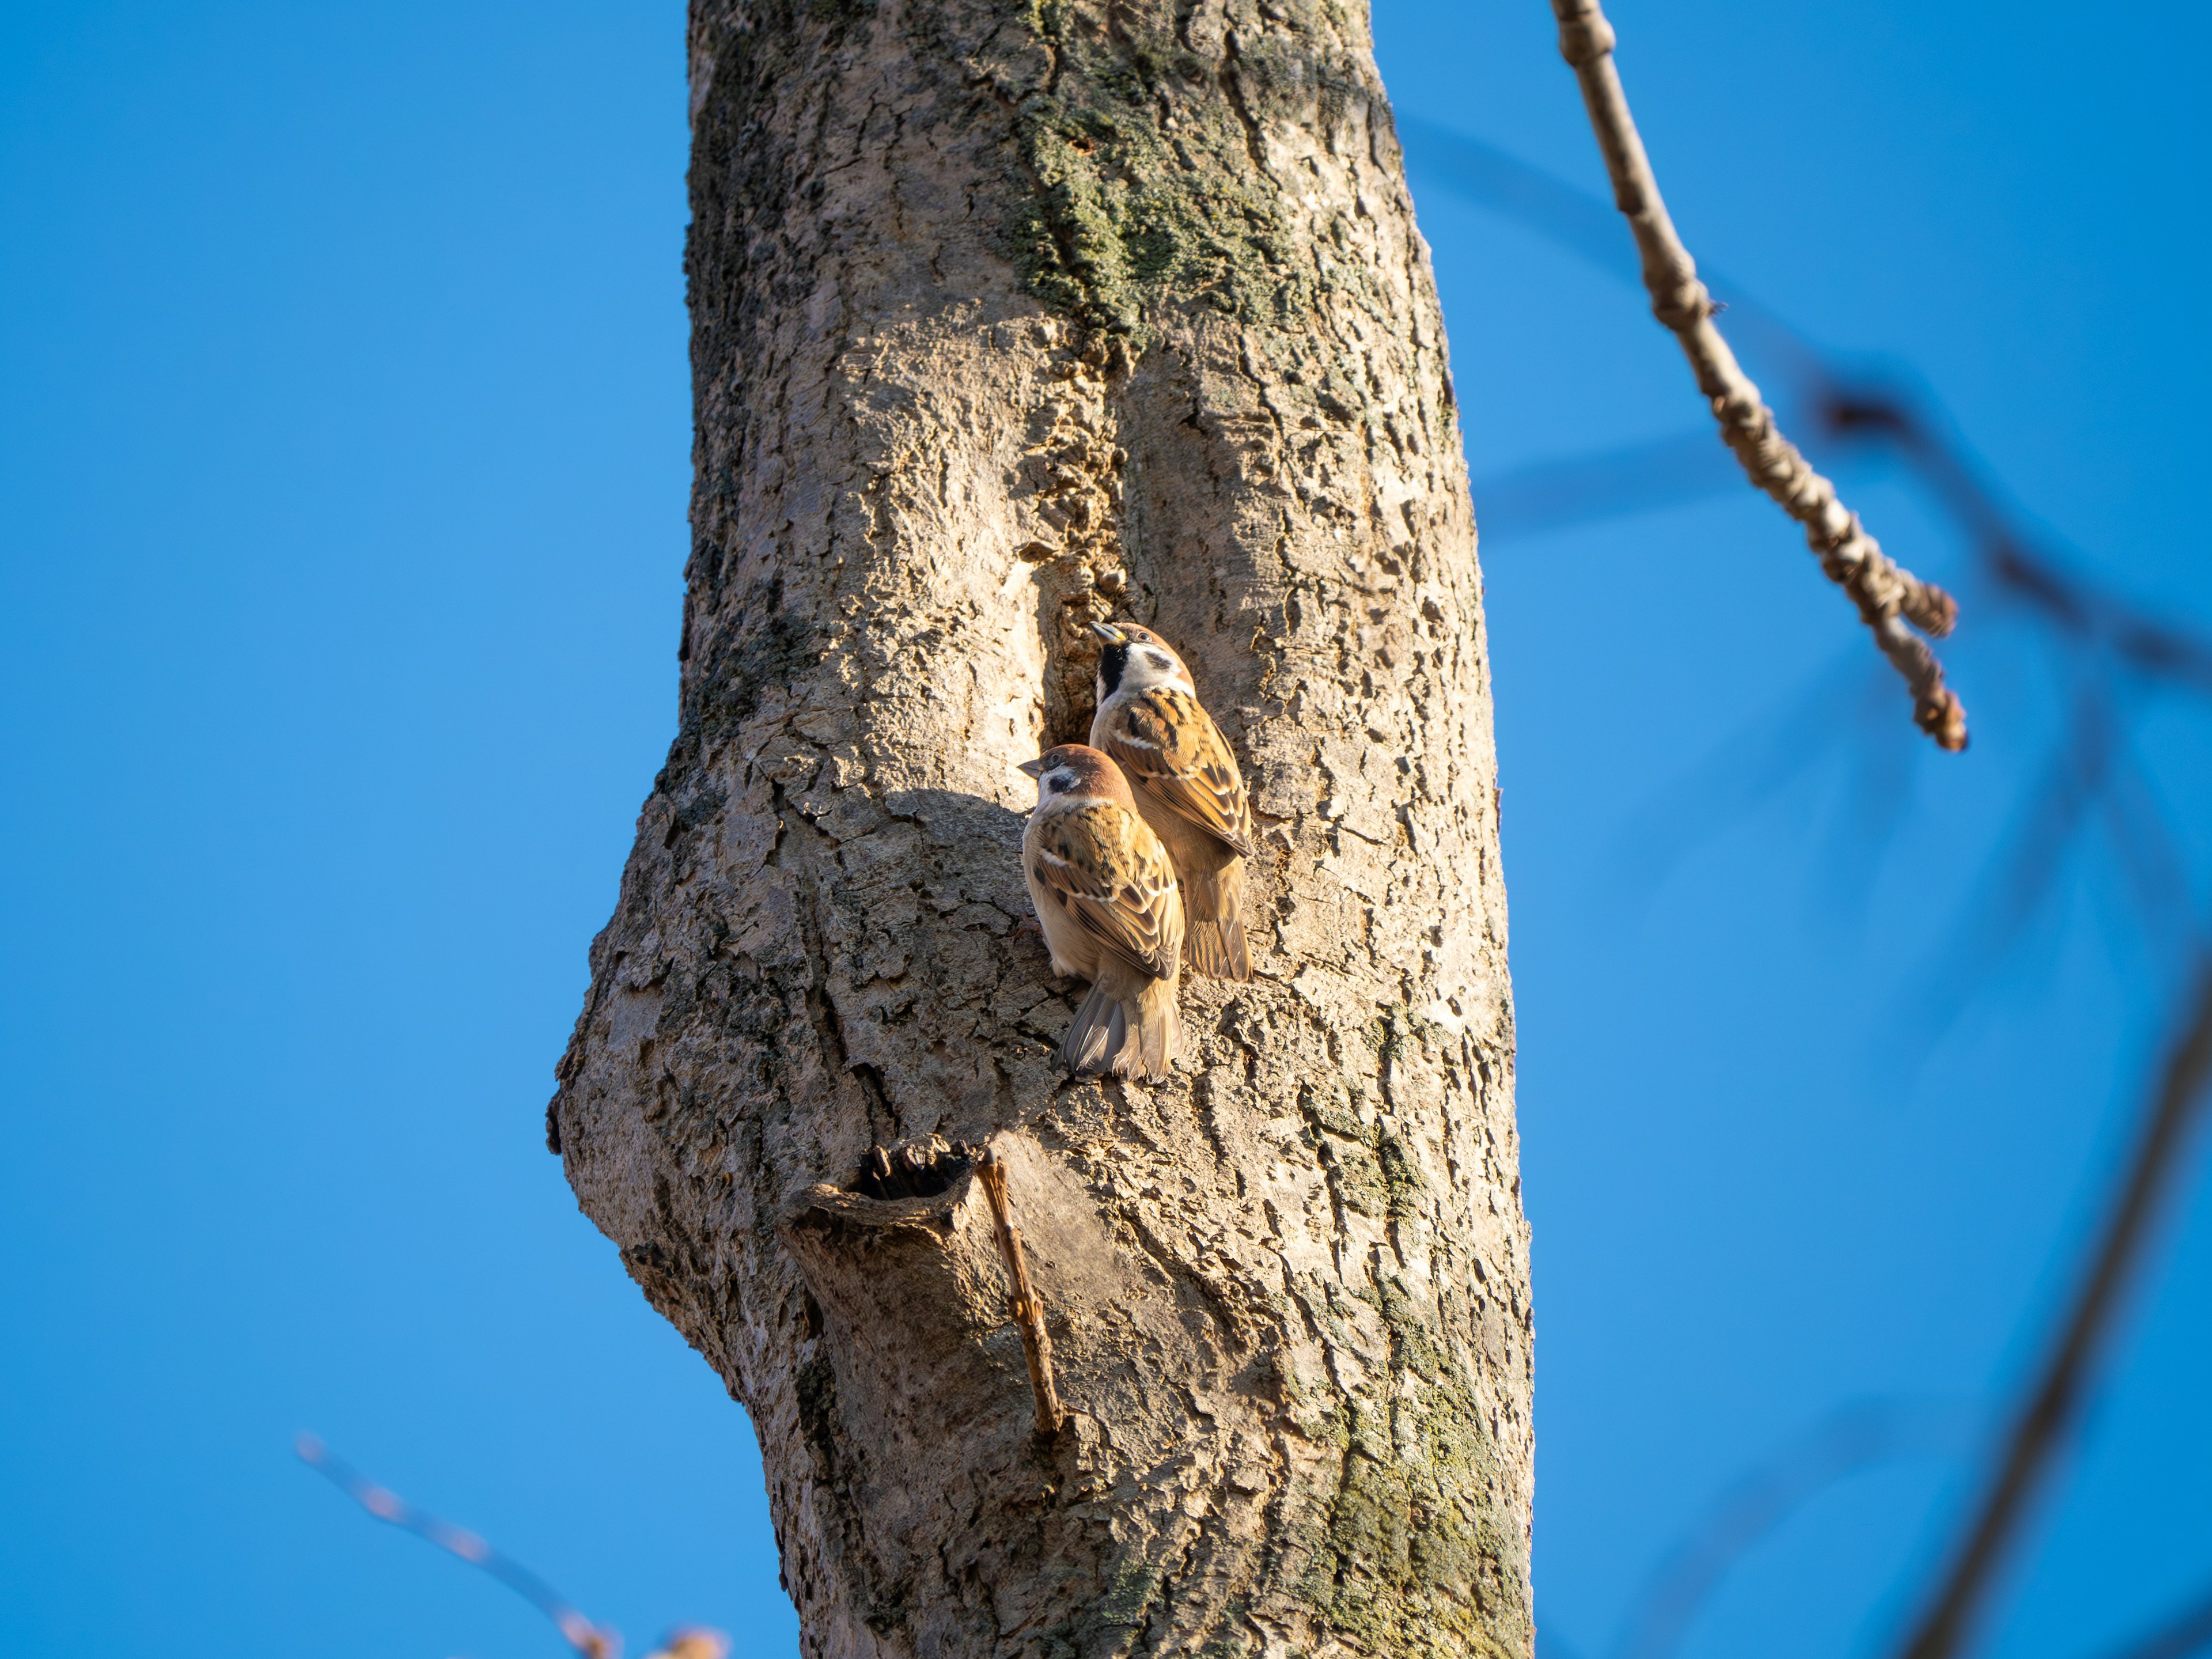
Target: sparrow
pixel 1151 724
pixel 1106 900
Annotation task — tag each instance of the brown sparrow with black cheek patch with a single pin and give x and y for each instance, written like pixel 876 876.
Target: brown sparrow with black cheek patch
pixel 1105 894
pixel 1151 725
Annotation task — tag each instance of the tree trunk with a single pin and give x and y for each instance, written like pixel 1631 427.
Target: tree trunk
pixel 1007 318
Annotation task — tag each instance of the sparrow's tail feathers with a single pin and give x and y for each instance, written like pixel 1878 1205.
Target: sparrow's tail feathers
pixel 1159 1030
pixel 1214 933
pixel 1217 949
pixel 1129 1031
pixel 1154 1031
pixel 1093 1038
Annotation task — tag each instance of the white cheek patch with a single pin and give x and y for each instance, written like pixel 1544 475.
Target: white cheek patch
pixel 1142 677
pixel 1073 805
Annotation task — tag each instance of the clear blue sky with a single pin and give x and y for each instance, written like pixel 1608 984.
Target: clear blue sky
pixel 344 443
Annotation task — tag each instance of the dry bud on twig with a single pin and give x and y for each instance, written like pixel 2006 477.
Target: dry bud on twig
pixel 1892 601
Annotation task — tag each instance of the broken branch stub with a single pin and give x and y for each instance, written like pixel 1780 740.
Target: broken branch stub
pixel 1021 1296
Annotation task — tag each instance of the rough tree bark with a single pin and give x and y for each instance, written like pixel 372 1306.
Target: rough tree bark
pixel 1007 317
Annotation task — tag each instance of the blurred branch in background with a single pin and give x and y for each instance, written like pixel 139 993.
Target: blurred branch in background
pixel 1849 699
pixel 581 1633
pixel 2187 1632
pixel 2053 1405
pixel 593 1641
pixel 1854 1437
pixel 1891 600
pixel 2113 652
pixel 2114 655
pixel 2091 777
pixel 1879 413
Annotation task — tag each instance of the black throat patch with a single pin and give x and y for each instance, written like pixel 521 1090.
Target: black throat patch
pixel 1112 662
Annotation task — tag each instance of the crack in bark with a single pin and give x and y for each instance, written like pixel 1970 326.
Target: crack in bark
pixel 829 1025
pixel 1254 145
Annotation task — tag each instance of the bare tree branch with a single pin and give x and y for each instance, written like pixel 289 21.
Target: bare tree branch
pixel 2186 1633
pixel 593 1641
pixel 1891 600
pixel 2112 641
pixel 1633 479
pixel 1855 1436
pixel 2041 1428
pixel 2144 643
pixel 1844 405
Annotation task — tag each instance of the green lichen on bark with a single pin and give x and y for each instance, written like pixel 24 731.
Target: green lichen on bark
pixel 1408 1558
pixel 1141 178
pixel 1408 1561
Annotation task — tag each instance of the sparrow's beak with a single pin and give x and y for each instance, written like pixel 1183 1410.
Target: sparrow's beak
pixel 1034 768
pixel 1110 632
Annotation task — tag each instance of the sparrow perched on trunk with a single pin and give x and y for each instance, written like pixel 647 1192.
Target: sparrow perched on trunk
pixel 1151 725
pixel 1105 895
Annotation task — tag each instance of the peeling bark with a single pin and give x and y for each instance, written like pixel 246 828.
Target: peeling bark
pixel 1005 320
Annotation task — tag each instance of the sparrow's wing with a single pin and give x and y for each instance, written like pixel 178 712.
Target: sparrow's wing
pixel 1106 869
pixel 1166 742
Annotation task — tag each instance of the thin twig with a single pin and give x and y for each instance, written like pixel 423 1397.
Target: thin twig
pixel 2041 1427
pixel 1854 1437
pixel 2145 643
pixel 1891 600
pixel 1845 406
pixel 1022 1299
pixel 2020 562
pixel 593 1641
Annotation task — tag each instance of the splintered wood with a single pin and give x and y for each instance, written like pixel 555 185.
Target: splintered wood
pixel 1021 1300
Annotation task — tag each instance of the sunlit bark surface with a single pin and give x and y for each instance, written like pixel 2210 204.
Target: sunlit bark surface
pixel 1006 318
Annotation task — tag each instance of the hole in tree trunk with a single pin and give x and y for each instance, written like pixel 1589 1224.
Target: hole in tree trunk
pixel 910 1171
